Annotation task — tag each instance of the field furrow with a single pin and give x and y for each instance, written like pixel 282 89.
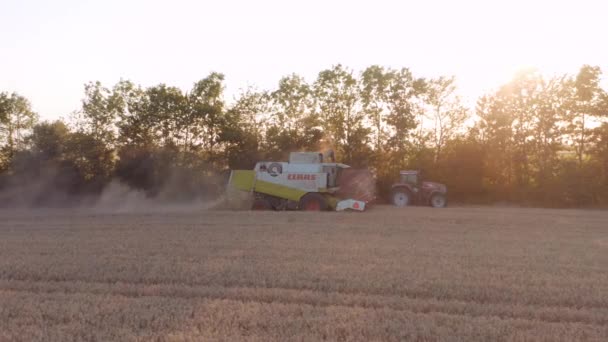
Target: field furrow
pixel 591 316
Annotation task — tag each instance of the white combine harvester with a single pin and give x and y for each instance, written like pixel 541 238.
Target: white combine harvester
pixel 306 182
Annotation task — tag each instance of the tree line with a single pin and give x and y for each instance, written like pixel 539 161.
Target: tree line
pixel 535 140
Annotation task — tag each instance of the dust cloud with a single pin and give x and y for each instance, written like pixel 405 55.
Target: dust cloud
pixel 50 188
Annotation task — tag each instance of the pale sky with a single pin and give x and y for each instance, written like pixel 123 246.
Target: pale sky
pixel 49 49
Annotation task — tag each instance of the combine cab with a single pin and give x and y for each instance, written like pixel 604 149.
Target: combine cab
pixel 412 190
pixel 306 182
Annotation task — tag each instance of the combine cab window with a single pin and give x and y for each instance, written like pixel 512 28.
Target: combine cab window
pixel 332 175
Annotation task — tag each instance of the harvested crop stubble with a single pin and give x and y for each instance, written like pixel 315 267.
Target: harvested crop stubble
pixel 471 274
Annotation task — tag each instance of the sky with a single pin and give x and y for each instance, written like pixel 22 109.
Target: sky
pixel 50 49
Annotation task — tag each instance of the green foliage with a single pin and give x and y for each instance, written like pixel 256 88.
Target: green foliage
pixel 16 119
pixel 446 112
pixel 532 127
pixel 584 100
pixel 206 113
pixel 336 93
pixel 375 83
pixel 49 140
pixel 245 128
pixel 99 112
pixel 535 140
pixel 91 159
pixel 599 159
pixel 461 168
pixel 293 124
pixel 393 99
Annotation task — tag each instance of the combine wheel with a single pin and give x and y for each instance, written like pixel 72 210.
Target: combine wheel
pixel 261 204
pixel 313 202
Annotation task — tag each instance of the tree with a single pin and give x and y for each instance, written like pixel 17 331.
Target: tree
pixel 547 134
pixel 461 168
pixel 375 82
pixel 168 136
pixel 135 126
pixel 507 119
pixel 48 139
pixel 253 110
pixel 91 160
pixel 293 124
pixel 446 112
pixel 586 102
pixel 60 165
pixel 521 129
pixel 537 139
pixel 292 101
pixel 337 101
pixel 16 118
pixel 404 96
pixel 167 108
pixel 245 129
pixel 495 129
pixel 599 158
pixel 519 98
pixel 36 172
pixel 206 118
pixel 99 112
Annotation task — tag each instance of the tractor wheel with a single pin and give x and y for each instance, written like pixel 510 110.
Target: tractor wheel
pixel 261 204
pixel 313 202
pixel 401 197
pixel 439 201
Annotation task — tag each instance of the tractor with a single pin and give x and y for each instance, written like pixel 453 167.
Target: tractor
pixel 412 190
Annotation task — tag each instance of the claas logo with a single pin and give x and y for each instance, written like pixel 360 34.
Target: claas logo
pixel 300 176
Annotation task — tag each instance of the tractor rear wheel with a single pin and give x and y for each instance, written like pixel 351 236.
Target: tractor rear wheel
pixel 439 201
pixel 313 202
pixel 401 197
pixel 261 204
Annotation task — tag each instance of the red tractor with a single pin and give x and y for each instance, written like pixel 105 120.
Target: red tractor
pixel 412 190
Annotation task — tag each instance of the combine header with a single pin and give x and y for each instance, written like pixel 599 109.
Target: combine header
pixel 306 182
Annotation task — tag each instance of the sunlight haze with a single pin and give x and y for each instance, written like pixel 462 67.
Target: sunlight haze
pixel 50 49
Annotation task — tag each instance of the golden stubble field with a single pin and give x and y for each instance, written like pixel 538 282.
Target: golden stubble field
pixel 458 274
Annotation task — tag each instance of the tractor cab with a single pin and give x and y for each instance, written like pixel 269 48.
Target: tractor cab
pixel 409 177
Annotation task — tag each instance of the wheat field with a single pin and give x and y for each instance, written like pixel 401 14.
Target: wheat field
pixel 414 274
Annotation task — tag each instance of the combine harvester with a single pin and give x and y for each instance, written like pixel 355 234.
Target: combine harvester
pixel 306 182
